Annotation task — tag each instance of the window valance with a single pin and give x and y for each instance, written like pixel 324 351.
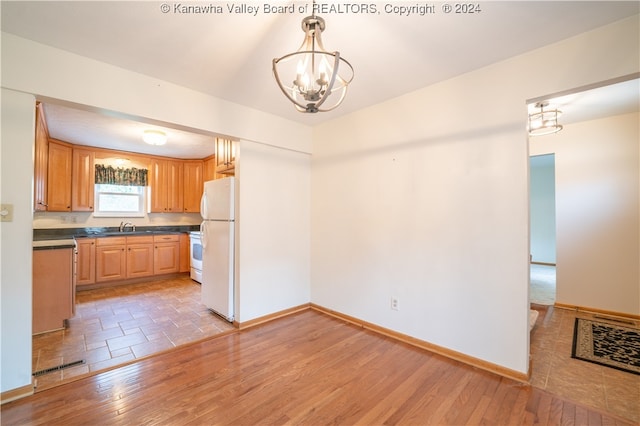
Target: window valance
pixel 120 176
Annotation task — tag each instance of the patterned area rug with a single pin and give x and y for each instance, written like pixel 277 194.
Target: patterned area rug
pixel 607 344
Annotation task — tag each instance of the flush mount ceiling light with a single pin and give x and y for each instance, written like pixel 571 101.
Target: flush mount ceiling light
pixel 544 122
pixel 154 137
pixel 319 79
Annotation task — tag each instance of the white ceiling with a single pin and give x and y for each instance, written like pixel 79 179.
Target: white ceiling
pixel 598 102
pixel 82 127
pixel 228 55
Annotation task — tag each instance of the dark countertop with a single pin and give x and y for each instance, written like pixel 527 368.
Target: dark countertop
pixel 54 244
pixel 63 234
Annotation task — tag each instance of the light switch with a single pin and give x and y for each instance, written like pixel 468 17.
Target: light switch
pixel 6 212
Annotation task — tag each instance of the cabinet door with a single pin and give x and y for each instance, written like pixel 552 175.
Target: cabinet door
pixel 86 267
pixel 52 289
pixel 166 254
pixel 40 162
pixel 166 183
pixel 139 260
pixel 111 262
pixel 83 180
pixel 166 258
pixel 231 154
pixel 158 186
pixel 175 186
pixel 193 185
pixel 221 159
pixel 185 255
pixel 59 178
pixel 209 172
pixel 225 156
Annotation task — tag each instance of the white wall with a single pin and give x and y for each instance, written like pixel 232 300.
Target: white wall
pixel 542 197
pixel 598 213
pixel 425 198
pixel 16 168
pixel 53 74
pixel 274 229
pixel 62 76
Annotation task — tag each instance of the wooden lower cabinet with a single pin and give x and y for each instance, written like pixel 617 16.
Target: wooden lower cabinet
pixel 86 266
pixel 185 255
pixel 107 259
pixel 53 292
pixel 111 259
pixel 166 255
pixel 139 256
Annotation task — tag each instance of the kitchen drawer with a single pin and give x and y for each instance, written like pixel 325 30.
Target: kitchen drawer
pixel 166 238
pixel 111 241
pixel 140 239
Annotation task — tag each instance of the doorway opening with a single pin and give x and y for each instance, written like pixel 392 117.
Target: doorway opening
pixel 542 213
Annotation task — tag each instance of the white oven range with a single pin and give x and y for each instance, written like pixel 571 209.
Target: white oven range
pixel 196 256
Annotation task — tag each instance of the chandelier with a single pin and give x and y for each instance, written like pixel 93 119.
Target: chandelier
pixel 318 79
pixel 544 122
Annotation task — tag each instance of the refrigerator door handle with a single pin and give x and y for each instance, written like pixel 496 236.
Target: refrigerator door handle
pixel 203 235
pixel 203 205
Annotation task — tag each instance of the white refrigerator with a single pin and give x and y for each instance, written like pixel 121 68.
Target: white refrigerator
pixel 217 208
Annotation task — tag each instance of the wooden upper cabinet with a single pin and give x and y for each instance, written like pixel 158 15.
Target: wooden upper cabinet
pixel 209 172
pixel 225 156
pixel 193 185
pixel 40 162
pixel 157 186
pixel 83 180
pixel 166 182
pixel 175 186
pixel 59 177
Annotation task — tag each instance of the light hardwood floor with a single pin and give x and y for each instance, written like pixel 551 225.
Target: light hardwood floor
pixel 306 368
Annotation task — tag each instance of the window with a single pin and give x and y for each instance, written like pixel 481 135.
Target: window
pixel 119 201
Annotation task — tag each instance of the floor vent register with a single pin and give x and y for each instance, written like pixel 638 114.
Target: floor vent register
pixel 58 368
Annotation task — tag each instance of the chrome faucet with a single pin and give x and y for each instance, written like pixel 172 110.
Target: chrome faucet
pixel 123 225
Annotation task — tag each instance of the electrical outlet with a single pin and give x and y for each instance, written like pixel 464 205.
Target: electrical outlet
pixel 394 303
pixel 6 212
